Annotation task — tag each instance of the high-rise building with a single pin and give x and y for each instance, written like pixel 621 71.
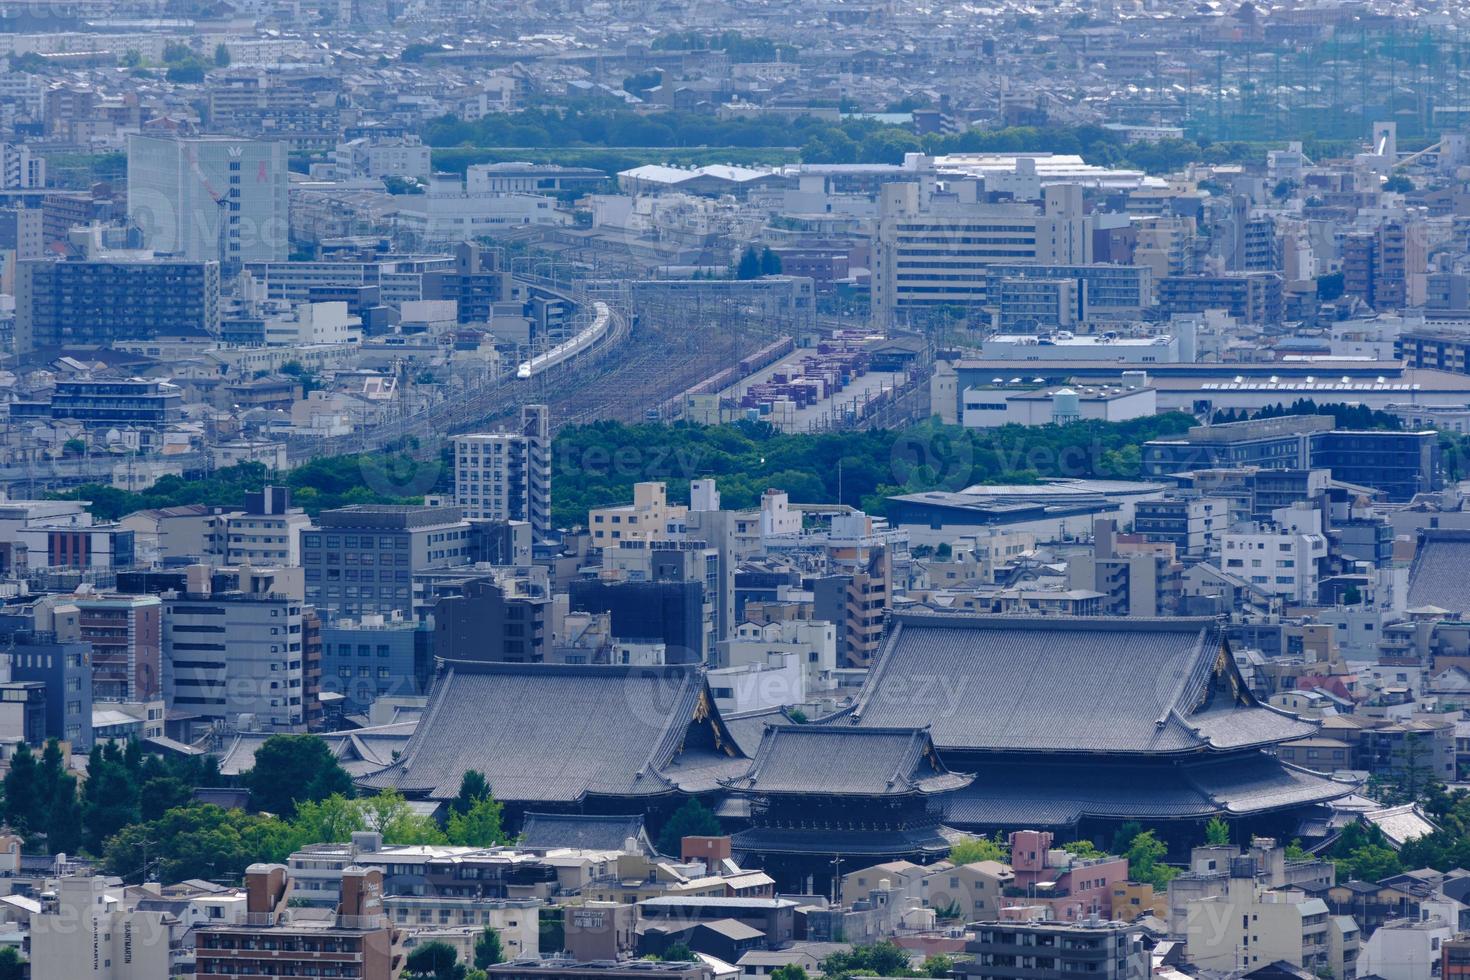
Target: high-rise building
pixel 360 560
pixel 20 169
pixel 507 475
pixel 934 250
pixel 182 190
pixel 99 302
pixel 126 633
pixel 236 657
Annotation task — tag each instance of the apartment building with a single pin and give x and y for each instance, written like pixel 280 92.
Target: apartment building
pixel 267 532
pixel 86 931
pixel 1250 926
pixel 1024 950
pixel 237 657
pixel 650 517
pixel 99 301
pixel 126 633
pixel 507 475
pixel 359 941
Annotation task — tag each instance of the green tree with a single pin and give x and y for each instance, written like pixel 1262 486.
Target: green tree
pixel 389 814
pixel 693 819
pixel 770 263
pixel 12 967
pixel 197 841
pixel 473 787
pixel 677 953
pixel 160 795
pixel 488 949
pixel 749 266
pixel 973 849
pixel 221 55
pixel 434 961
pixel 1083 849
pixel 480 826
pixel 1217 832
pixel 291 768
pixel 885 959
pixel 1398 184
pixel 24 807
pixel 1145 854
pixel 937 966
pixel 110 799
pixel 788 972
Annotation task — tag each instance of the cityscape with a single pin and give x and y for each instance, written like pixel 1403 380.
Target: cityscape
pixel 734 490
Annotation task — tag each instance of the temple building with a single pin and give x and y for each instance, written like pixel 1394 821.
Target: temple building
pixel 563 738
pixel 975 723
pixel 821 796
pixel 1077 725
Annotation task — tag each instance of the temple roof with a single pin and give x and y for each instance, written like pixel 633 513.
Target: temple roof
pixel 582 831
pixel 844 761
pixel 1437 574
pixel 1061 684
pixel 558 732
pixel 1059 794
pixel 773 840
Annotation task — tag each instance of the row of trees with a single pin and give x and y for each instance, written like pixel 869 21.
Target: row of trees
pixel 600 462
pixel 333 481
pixel 136 811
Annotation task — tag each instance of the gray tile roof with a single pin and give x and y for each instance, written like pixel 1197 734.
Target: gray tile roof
pixel 591 833
pixel 558 732
pixel 846 761
pixel 1438 575
pixel 1061 794
pixel 1059 684
pixel 782 840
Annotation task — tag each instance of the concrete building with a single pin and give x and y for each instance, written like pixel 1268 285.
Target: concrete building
pixel 507 475
pixel 934 249
pixel 99 301
pixel 1250 925
pixel 650 517
pixel 360 560
pixel 267 532
pixel 445 212
pixel 126 633
pixel 210 197
pixel 1022 950
pixel 989 407
pixel 21 169
pixel 236 658
pixel 372 657
pixel 1277 561
pixel 359 941
pixel 405 157
pixel 814 644
pixel 85 931
pixel 497 617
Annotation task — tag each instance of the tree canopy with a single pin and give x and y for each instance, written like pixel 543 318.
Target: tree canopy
pixel 290 769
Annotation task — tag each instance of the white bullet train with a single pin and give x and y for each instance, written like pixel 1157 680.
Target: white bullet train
pixel 567 349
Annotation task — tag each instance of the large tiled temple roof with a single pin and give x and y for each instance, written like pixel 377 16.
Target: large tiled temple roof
pixel 1065 685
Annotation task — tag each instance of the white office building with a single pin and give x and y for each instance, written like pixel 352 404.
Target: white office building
pixel 932 248
pixel 181 190
pixel 86 932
